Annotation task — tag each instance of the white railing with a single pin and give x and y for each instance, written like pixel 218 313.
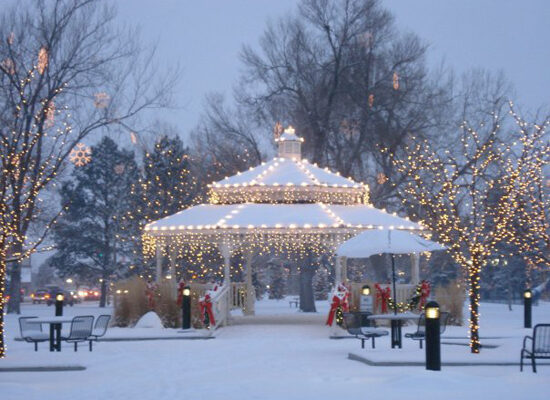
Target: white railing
pixel 220 306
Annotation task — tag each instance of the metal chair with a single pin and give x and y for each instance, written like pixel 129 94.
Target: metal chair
pixel 358 325
pixel 540 345
pixel 420 333
pixel 100 328
pixel 31 332
pixel 81 329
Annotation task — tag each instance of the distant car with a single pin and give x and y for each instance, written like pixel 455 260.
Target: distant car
pixel 40 296
pixel 69 297
pixel 93 294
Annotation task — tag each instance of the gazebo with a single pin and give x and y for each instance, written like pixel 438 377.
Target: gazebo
pixel 286 204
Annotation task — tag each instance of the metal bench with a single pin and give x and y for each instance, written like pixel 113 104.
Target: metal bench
pixel 31 332
pixel 540 345
pixel 81 330
pixel 294 301
pixel 420 333
pixel 358 325
pixel 100 328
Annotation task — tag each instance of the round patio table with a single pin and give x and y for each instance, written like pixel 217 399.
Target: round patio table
pixel 396 323
pixel 55 329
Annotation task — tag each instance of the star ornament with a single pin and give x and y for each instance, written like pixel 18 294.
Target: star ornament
pixel 80 155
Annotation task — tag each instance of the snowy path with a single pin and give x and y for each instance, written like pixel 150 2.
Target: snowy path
pixel 260 361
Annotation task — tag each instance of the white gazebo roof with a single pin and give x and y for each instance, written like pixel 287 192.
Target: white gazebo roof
pixel 292 217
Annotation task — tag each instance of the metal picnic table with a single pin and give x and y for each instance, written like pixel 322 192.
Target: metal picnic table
pixel 396 323
pixel 55 329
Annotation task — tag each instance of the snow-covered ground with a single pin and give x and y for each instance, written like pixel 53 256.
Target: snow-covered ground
pixel 279 354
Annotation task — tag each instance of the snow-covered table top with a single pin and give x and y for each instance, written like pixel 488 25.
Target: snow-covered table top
pixel 51 320
pixel 401 316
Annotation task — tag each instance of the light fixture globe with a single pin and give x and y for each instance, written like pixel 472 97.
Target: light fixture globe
pixel 365 290
pixel 432 310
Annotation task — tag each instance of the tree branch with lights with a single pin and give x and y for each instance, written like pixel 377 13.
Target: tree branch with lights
pixel 65 73
pixel 467 200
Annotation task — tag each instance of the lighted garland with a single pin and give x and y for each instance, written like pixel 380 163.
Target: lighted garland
pixel 415 302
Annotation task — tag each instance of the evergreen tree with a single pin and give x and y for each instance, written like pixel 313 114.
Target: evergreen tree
pixel 96 235
pixel 167 186
pixel 277 284
pixel 321 283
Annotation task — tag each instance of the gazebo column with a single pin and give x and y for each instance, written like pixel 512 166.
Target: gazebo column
pixel 172 259
pixel 250 292
pixel 415 268
pixel 225 251
pixel 344 266
pixel 338 277
pixel 158 249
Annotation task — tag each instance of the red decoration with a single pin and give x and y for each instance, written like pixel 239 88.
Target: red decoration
pixel 150 293
pixel 205 304
pixel 383 296
pixel 425 289
pixel 339 299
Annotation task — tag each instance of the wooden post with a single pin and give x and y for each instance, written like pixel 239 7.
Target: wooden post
pixel 250 292
pixel 415 268
pixel 158 250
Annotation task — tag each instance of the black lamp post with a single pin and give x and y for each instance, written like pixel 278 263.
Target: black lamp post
pixel 433 342
pixel 186 308
pixel 527 298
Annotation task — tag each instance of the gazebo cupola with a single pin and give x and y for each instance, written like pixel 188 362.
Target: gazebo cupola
pixel 290 145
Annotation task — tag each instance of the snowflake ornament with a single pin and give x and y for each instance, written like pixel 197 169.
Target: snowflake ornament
pixel 80 155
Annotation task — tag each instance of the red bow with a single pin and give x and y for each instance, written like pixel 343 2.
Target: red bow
pixel 425 289
pixel 337 301
pixel 383 295
pixel 206 304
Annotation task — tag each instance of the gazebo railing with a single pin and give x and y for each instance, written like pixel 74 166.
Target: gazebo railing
pixel 220 307
pixel 238 295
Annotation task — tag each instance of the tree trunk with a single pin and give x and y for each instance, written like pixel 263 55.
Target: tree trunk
pixel 307 272
pixel 474 278
pixel 14 305
pixel 103 297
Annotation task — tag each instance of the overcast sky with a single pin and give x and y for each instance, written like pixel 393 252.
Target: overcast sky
pixel 205 37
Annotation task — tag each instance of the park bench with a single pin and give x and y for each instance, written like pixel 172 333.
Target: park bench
pixel 31 332
pixel 420 333
pixel 100 328
pixel 294 301
pixel 81 330
pixel 357 324
pixel 539 347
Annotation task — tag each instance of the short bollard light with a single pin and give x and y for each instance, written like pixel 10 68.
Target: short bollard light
pixel 433 342
pixel 365 290
pixel 186 308
pixel 59 304
pixel 527 299
pixel 365 303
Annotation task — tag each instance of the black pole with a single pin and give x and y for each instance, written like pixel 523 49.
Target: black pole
pixel 59 297
pixel 433 343
pixel 393 279
pixel 527 298
pixel 186 308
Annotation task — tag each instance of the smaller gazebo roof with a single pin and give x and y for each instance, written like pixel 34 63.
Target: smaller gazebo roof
pixel 287 172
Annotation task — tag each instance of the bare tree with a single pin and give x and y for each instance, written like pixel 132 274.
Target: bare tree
pixel 66 71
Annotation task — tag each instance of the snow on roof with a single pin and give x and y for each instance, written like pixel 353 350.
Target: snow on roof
pixel 251 215
pixel 284 171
